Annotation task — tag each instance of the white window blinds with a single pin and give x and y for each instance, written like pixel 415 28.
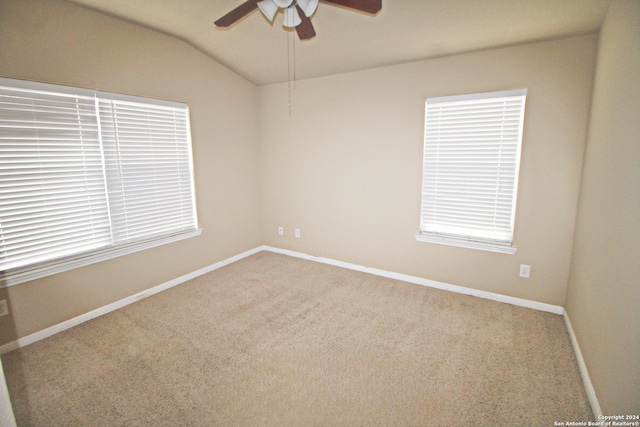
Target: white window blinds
pixel 52 194
pixel 84 171
pixel 148 169
pixel 471 163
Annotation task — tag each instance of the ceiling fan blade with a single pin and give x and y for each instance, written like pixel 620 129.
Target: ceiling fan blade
pixel 305 30
pixel 237 13
pixel 369 6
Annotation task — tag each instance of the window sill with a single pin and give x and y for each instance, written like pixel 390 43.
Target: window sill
pixel 38 271
pixel 469 244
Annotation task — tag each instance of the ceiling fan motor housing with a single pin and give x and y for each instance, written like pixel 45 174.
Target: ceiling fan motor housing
pixel 284 3
pixel 269 8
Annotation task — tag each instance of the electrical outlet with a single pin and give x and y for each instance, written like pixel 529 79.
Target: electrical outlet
pixel 281 231
pixel 297 233
pixel 4 308
pixel 525 271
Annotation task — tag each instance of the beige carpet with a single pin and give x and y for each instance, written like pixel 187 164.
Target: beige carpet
pixel 277 341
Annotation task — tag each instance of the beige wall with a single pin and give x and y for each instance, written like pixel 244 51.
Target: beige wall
pixel 603 300
pixel 58 42
pixel 345 166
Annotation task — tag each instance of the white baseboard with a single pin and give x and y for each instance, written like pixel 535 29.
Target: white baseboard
pixel 52 330
pixel 540 306
pixel 584 373
pixel 591 393
pixel 595 405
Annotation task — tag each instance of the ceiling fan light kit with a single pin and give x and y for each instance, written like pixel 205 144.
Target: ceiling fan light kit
pixel 268 9
pixel 296 12
pixel 308 6
pixel 291 18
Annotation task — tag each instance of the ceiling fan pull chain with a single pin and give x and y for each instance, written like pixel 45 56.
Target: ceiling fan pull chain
pixel 295 78
pixel 289 68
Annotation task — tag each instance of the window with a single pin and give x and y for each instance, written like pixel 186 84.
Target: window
pixel 471 162
pixel 87 176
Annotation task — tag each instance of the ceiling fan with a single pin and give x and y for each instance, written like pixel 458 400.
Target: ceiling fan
pixel 297 13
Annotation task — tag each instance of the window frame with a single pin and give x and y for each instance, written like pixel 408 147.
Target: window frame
pixel 17 275
pixel 438 233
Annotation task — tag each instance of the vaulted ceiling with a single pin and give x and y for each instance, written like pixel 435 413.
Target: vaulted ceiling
pixel 403 31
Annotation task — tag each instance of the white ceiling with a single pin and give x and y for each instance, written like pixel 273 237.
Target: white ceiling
pixel 403 31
